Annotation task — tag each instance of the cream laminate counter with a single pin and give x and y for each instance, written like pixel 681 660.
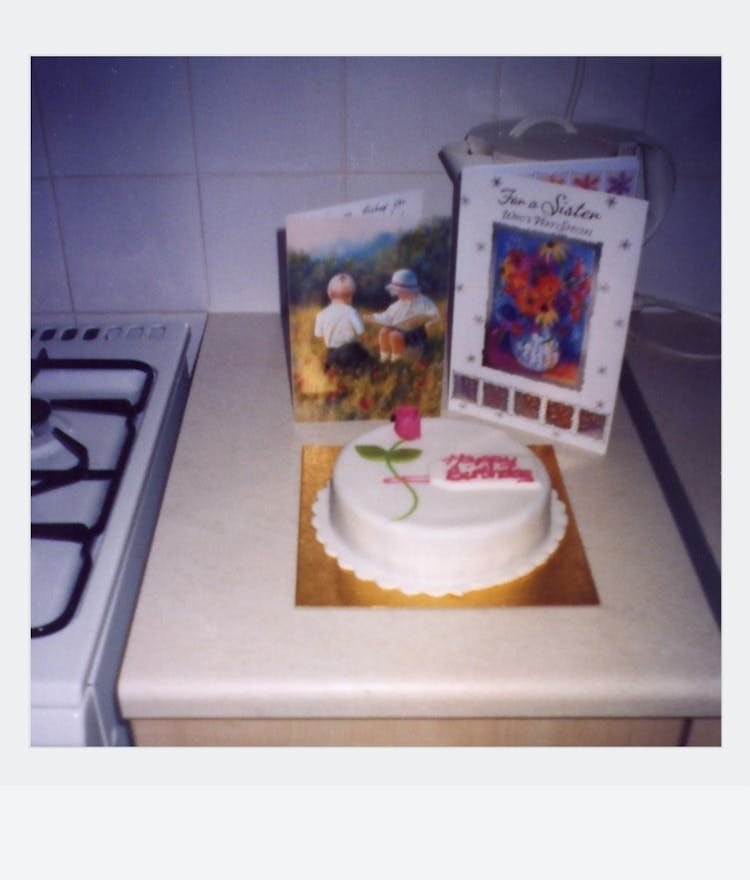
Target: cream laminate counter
pixel 218 652
pixel 673 360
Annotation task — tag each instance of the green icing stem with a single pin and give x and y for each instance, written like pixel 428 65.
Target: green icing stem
pixel 409 489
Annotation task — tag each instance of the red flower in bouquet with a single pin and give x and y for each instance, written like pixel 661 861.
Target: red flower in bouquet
pixel 529 301
pixel 514 261
pixel 548 286
pixel 517 282
pixel 545 291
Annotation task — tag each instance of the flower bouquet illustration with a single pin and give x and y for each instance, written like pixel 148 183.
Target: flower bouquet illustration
pixel 540 302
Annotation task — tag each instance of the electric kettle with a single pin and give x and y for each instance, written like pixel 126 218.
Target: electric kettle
pixel 553 138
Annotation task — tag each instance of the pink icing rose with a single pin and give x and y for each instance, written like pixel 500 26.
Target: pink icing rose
pixel 407 422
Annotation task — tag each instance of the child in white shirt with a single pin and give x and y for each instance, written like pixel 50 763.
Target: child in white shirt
pixel 340 326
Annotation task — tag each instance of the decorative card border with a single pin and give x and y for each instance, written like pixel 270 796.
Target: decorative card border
pixel 545 275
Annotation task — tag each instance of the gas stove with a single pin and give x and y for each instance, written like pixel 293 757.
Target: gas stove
pixel 107 399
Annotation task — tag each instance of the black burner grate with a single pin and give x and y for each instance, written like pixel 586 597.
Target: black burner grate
pixel 44 480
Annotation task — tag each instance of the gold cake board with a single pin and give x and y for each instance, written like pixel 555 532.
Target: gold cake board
pixel 565 579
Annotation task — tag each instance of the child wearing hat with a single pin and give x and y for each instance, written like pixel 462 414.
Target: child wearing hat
pixel 404 323
pixel 340 326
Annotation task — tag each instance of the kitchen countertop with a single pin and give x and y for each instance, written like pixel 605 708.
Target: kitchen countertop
pixel 216 633
pixel 666 352
pixel 672 383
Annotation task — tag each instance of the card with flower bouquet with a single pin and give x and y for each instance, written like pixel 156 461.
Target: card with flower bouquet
pixel 545 274
pixel 367 294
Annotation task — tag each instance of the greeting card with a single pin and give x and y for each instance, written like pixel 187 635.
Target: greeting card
pixel 367 287
pixel 545 274
pixel 616 175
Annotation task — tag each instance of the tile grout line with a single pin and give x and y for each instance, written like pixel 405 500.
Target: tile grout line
pixel 53 188
pixel 198 188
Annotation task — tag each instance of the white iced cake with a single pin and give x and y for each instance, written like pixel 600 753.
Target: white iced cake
pixel 451 507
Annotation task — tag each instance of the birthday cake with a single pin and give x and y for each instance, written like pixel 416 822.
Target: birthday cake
pixel 438 506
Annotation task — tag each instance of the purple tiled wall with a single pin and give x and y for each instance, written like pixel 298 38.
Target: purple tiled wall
pixel 160 183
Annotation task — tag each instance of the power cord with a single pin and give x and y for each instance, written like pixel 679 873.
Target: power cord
pixel 575 89
pixel 644 302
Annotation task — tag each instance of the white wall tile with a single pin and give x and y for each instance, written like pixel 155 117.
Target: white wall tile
pixel 614 91
pixel 400 112
pixel 535 86
pixel 683 260
pixel 684 111
pixel 268 114
pixel 242 215
pixel 49 287
pixel 115 115
pixel 39 164
pixel 133 243
pixel 127 144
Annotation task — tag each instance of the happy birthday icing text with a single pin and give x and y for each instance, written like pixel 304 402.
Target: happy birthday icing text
pixel 486 467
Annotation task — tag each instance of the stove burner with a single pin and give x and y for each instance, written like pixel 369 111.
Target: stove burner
pixel 45 480
pixel 43 430
pixel 40 412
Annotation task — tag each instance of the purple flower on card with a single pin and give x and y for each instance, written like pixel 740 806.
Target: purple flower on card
pixel 620 184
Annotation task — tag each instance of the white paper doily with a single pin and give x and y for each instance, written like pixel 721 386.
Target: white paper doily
pixel 391 579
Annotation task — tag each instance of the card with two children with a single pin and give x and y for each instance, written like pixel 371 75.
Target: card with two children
pixel 367 293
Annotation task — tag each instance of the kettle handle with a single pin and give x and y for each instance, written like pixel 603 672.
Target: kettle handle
pixel 523 125
pixel 659 176
pixel 658 170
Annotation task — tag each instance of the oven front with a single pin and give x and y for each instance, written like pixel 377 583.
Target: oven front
pixel 106 405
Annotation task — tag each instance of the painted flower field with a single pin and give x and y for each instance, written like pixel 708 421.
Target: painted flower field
pixel 372 391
